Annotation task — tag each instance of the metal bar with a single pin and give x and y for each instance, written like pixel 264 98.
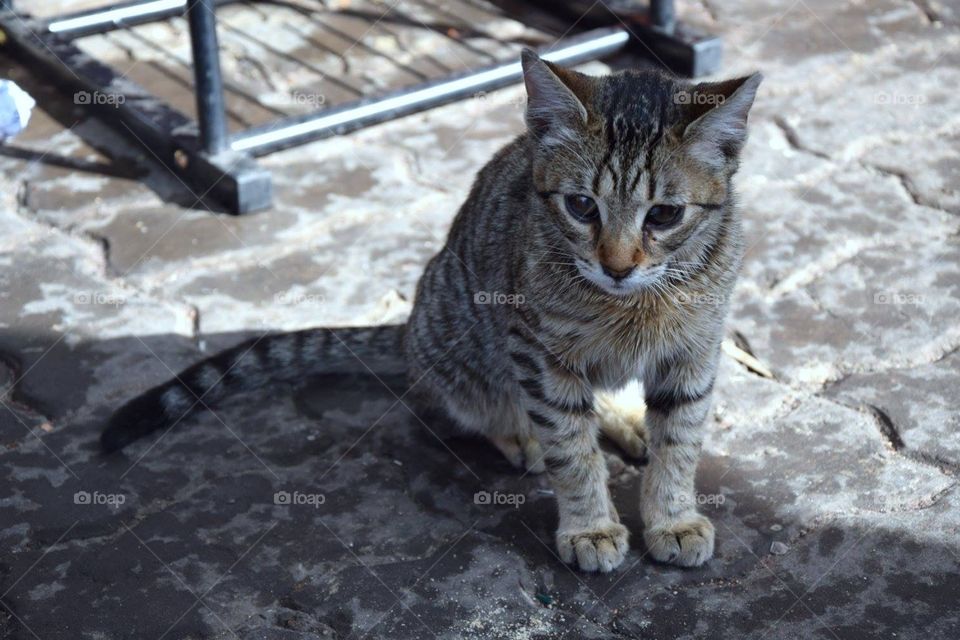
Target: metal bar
pixel 117 16
pixel 100 20
pixel 211 112
pixel 354 115
pixel 662 15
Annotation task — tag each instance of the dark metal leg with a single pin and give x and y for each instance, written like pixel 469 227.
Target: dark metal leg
pixel 211 113
pixel 662 15
pixel 678 46
pixel 657 34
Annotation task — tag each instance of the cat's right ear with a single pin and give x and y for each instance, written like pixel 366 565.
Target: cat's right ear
pixel 553 109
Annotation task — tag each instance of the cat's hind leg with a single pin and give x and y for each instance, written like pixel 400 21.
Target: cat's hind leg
pixel 510 431
pixel 622 421
pixel 503 424
pixel 522 452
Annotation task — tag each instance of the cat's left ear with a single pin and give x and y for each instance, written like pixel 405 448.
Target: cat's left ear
pixel 719 130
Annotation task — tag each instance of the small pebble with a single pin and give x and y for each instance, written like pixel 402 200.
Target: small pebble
pixel 776 527
pixel 778 548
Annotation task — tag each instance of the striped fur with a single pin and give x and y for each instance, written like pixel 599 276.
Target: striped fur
pixel 255 363
pixel 539 366
pixel 520 334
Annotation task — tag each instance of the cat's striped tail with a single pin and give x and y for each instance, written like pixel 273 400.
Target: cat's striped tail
pixel 285 357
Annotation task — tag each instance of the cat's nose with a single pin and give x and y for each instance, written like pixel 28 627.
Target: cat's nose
pixel 618 258
pixel 617 274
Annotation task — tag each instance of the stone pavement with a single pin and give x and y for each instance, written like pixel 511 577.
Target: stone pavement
pixel 331 511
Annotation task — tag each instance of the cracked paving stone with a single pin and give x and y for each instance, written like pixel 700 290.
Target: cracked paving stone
pixel 929 166
pixel 920 401
pixel 74 337
pixel 873 312
pixel 910 299
pixel 891 100
pixel 442 143
pixel 941 11
pixel 365 175
pixel 855 577
pixel 366 269
pixel 17 230
pixel 827 224
pixel 803 46
pixel 855 470
pixel 153 245
pixel 770 159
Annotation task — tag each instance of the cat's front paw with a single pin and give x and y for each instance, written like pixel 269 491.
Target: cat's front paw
pixel 687 542
pixel 601 548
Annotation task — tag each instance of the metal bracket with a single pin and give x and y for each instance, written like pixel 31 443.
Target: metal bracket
pixel 211 170
pixel 682 48
pixel 655 33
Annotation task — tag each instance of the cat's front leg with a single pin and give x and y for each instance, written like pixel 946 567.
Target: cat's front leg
pixel 560 408
pixel 678 395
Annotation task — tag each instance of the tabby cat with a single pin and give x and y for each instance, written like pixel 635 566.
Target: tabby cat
pixel 597 248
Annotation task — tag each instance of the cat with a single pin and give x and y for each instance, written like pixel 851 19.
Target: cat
pixel 598 248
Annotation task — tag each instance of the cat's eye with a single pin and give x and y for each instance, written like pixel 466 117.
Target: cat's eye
pixel 581 207
pixel 661 216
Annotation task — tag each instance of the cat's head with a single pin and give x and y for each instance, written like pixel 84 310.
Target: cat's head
pixel 635 167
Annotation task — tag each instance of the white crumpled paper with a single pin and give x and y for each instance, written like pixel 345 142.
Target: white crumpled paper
pixel 15 107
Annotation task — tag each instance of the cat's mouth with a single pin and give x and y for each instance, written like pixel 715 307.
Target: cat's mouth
pixel 639 278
